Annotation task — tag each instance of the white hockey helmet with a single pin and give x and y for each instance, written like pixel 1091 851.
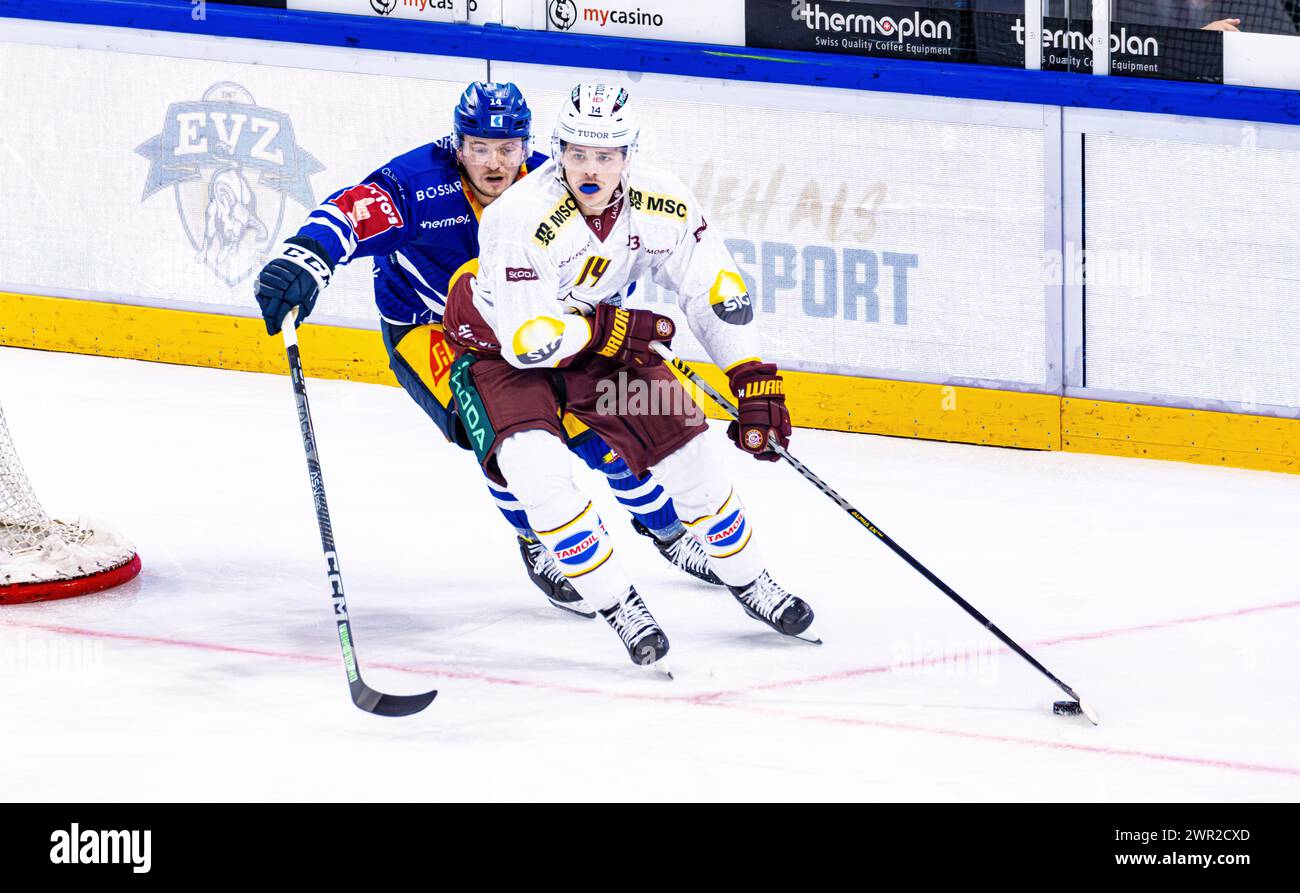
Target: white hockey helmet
pixel 596 115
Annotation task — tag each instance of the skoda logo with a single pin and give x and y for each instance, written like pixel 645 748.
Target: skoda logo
pixel 383 7
pixel 562 13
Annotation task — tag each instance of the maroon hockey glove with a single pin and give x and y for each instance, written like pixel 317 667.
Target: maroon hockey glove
pixel 760 393
pixel 625 335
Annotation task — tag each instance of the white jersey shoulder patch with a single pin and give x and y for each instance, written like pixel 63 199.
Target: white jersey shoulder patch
pixel 533 208
pixel 659 194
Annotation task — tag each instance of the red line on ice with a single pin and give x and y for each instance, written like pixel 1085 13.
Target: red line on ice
pixel 1010 739
pixel 955 658
pixel 320 658
pixel 714 699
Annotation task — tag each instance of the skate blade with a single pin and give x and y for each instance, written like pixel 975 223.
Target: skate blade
pixel 570 608
pixel 658 669
pixel 810 636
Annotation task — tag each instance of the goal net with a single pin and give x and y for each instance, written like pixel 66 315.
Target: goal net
pixel 42 558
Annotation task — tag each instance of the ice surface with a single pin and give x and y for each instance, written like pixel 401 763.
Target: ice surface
pixel 1166 593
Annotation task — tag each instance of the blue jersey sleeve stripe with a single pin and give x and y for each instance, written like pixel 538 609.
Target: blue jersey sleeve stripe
pixel 336 220
pixel 327 237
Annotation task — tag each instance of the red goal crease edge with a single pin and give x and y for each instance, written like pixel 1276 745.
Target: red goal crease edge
pixel 21 593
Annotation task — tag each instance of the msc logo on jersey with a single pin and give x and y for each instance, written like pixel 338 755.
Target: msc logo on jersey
pixel 230 164
pixel 562 13
pixel 730 299
pixel 652 203
pixel 561 214
pixel 537 340
pixel 593 269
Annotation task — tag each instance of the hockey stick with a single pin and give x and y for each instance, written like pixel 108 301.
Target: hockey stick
pixel 677 363
pixel 363 695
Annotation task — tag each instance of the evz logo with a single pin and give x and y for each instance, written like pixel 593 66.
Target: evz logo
pixel 230 164
pixel 562 13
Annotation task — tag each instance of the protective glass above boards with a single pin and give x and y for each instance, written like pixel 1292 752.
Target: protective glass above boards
pixel 1170 39
pixel 987 32
pixel 1246 16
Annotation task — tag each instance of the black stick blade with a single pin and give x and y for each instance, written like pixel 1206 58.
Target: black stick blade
pixel 381 704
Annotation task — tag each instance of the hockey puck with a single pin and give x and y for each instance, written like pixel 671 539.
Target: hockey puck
pixel 1066 708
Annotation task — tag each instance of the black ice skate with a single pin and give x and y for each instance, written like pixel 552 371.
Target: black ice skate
pixel 543 571
pixel 684 552
pixel 645 642
pixel 765 600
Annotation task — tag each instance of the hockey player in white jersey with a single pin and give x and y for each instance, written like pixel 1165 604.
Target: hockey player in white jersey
pixel 542 329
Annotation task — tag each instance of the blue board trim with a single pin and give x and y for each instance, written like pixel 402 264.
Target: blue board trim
pixel 668 57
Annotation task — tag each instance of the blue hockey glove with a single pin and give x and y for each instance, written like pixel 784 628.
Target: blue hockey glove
pixel 293 278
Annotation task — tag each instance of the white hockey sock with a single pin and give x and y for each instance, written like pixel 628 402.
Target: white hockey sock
pixel 712 511
pixel 537 468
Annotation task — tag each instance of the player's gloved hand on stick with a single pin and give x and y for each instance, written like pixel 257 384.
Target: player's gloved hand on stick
pixel 293 278
pixel 625 335
pixel 760 395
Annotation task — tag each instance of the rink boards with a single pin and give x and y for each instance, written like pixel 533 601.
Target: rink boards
pixel 916 262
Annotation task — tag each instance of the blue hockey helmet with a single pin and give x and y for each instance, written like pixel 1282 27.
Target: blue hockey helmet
pixel 493 112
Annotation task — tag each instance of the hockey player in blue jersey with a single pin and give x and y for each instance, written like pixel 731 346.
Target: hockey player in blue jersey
pixel 418 217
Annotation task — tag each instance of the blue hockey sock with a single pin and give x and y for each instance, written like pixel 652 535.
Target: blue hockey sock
pixel 643 497
pixel 511 510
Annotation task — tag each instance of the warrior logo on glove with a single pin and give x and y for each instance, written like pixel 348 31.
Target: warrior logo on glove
pixel 760 393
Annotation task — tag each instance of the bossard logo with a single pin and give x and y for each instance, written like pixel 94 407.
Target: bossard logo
pixel 230 164
pixel 562 13
pixel 383 7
